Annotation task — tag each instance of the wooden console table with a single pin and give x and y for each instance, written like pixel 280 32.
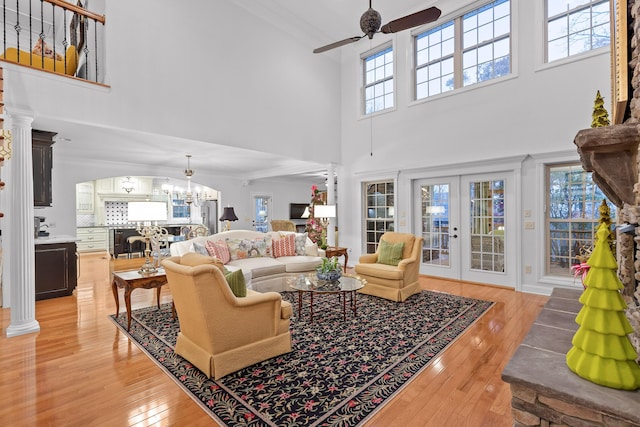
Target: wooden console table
pixel 332 251
pixel 130 280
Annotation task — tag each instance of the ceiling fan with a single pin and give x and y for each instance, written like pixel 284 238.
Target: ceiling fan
pixel 371 20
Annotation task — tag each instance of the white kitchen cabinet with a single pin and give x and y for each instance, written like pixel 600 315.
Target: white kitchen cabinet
pixel 92 239
pixel 85 198
pixel 111 186
pixel 104 186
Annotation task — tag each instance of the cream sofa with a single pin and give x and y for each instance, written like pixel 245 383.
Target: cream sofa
pixel 265 273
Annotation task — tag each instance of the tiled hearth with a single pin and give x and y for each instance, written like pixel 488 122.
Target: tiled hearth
pixel 545 392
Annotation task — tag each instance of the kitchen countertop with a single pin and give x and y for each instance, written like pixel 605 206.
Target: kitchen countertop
pixel 49 240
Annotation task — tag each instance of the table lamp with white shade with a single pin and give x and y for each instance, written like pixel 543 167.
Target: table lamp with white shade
pixel 146 216
pixel 324 213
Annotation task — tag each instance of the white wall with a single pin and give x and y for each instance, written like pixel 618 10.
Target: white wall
pixel 535 111
pixel 220 75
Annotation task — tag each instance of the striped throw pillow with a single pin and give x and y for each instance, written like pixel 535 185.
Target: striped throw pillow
pixel 285 246
pixel 218 249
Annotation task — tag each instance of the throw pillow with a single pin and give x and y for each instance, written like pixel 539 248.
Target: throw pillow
pixel 200 249
pixel 43 49
pixel 235 280
pixel 218 249
pixel 247 248
pixel 390 253
pixel 301 243
pixel 285 246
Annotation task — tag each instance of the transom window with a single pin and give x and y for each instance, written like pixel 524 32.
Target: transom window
pixel 434 58
pixel 483 52
pixel 486 42
pixel 572 216
pixel 378 81
pixel 576 26
pixel 379 212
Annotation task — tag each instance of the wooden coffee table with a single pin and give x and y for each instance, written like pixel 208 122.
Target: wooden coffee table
pixel 130 280
pixel 346 286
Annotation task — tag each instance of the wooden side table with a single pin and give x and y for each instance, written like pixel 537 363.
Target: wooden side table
pixel 332 251
pixel 130 280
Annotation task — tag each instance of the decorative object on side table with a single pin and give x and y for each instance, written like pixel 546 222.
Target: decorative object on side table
pixel 324 213
pixel 228 215
pixel 144 213
pixel 314 228
pixel 330 269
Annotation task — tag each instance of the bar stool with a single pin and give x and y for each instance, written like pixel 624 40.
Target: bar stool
pixel 135 244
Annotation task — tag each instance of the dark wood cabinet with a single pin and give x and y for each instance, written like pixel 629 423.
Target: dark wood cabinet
pixel 42 147
pixel 56 270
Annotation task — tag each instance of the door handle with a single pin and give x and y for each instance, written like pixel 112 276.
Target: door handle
pixel 455 236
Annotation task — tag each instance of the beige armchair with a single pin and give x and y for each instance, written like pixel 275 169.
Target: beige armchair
pixel 282 225
pixel 396 283
pixel 220 333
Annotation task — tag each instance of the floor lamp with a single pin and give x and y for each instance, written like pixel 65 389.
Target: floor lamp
pixel 146 216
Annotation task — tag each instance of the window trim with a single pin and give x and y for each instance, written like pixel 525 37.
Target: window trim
pixel 540 275
pixel 364 196
pixel 547 231
pixel 361 79
pixel 569 58
pixel 456 17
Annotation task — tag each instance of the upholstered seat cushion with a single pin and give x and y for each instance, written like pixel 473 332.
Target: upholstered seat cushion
pixel 299 264
pixel 67 65
pixel 383 271
pixel 260 266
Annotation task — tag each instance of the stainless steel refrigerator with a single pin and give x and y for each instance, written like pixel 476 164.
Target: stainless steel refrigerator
pixel 209 213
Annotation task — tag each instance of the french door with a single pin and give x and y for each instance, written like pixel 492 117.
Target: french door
pixel 261 213
pixel 464 221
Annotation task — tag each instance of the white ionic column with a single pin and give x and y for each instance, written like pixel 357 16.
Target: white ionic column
pixel 21 231
pixel 331 200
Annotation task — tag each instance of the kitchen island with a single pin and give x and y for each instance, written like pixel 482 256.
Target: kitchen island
pixel 118 235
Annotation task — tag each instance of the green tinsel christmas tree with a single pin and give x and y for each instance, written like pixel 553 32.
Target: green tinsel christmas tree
pixel 600 117
pixel 602 353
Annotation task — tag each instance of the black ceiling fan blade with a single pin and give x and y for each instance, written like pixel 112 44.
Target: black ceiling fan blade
pixel 337 44
pixel 415 19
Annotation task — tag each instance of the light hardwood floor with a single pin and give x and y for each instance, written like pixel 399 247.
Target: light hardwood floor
pixel 80 370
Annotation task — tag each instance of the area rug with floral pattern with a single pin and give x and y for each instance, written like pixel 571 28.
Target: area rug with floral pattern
pixel 339 372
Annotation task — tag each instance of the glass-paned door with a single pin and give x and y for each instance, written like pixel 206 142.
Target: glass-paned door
pixel 486 219
pixel 464 222
pixel 261 204
pixel 437 222
pixel 487 229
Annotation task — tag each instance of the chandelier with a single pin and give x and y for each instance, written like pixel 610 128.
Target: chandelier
pixel 190 197
pixel 128 185
pixel 189 173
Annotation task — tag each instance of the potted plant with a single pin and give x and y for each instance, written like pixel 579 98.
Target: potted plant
pixel 329 270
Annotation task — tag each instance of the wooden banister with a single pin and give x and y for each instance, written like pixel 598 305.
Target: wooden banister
pixel 77 9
